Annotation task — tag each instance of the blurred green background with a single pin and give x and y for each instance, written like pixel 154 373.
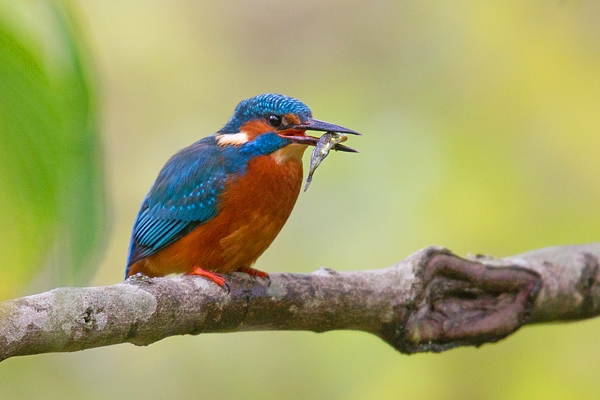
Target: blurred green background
pixel 481 124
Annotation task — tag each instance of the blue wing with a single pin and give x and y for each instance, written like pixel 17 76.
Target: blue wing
pixel 184 196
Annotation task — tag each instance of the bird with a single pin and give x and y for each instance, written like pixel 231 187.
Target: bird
pixel 219 203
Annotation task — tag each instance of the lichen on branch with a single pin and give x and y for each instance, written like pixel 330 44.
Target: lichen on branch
pixel 431 301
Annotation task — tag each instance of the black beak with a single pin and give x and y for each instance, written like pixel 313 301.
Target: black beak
pixel 316 125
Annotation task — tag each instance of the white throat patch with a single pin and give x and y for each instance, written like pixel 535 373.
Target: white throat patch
pixel 232 139
pixel 291 151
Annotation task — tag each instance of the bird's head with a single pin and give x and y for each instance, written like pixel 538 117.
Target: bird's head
pixel 284 116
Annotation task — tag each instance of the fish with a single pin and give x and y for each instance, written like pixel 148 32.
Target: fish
pixel 330 140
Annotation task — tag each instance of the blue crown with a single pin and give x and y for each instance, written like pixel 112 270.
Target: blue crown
pixel 262 106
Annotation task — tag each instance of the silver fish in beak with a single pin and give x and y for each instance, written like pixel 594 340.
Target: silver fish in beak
pixel 330 140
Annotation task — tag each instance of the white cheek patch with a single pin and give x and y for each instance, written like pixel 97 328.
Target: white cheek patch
pixel 232 139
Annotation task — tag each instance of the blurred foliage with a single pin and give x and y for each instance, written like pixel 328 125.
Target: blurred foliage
pixel 51 200
pixel 481 132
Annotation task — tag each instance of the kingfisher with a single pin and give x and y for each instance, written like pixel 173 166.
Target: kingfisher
pixel 219 203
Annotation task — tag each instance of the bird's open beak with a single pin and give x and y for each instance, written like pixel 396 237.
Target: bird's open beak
pixel 316 125
pixel 297 134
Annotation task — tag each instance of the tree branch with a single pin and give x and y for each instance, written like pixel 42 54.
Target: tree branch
pixel 431 301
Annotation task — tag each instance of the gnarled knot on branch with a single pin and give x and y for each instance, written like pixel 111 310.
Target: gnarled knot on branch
pixel 461 302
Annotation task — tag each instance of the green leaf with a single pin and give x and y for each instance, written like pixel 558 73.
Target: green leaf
pixel 51 196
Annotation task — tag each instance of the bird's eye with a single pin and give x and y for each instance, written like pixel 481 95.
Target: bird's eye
pixel 274 120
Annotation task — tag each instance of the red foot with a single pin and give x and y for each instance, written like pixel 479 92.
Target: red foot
pixel 216 278
pixel 254 272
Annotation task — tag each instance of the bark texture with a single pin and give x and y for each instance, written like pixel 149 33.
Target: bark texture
pixel 431 301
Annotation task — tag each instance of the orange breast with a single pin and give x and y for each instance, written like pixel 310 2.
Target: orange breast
pixel 253 209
